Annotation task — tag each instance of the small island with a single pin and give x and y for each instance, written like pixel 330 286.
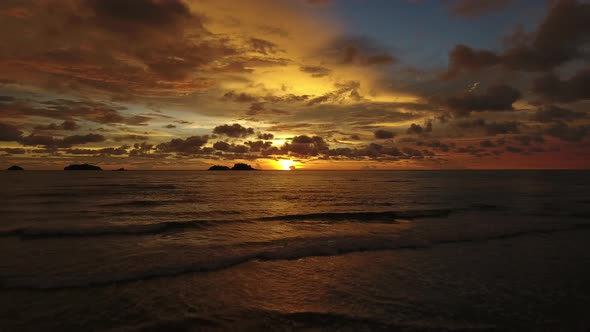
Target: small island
pixel 15 168
pixel 219 168
pixel 237 167
pixel 82 167
pixel 122 169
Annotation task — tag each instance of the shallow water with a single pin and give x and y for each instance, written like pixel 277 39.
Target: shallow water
pixel 370 250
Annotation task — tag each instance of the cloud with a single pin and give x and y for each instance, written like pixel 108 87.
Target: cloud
pixel 257 146
pixel 153 14
pixel 66 125
pixel 416 129
pixel 306 145
pixel 316 71
pixel 471 8
pixel 567 132
pixel 222 146
pixel 12 151
pixel 561 37
pixel 190 145
pixel 239 97
pixel 384 134
pixel 344 91
pixel 70 111
pixel 235 130
pixel 359 51
pixel 263 46
pixel 498 97
pixel 555 113
pixel 114 151
pixel 9 133
pixel 490 128
pixel 130 137
pixel 550 87
pixel 265 136
pixel 66 142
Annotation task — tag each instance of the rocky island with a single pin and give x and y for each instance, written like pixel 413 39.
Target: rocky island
pixel 82 167
pixel 15 168
pixel 237 167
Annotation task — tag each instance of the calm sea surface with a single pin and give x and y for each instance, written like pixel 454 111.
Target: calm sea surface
pixel 302 250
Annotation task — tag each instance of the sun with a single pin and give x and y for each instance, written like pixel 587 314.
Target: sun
pixel 286 164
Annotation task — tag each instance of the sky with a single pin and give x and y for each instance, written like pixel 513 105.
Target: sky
pixel 303 84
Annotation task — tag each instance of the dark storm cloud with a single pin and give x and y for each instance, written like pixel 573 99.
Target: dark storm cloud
pixel 148 13
pixel 235 130
pixel 487 144
pixel 256 108
pixel 553 88
pixel 436 144
pixel 70 110
pixel 471 8
pixel 130 137
pixel 562 36
pixel 263 46
pixel 164 44
pixel 513 149
pixel 416 129
pixel 497 98
pixel 256 146
pixel 361 51
pixel 306 145
pixel 66 142
pixel 13 150
pixel 9 133
pixel 222 146
pixel 553 113
pixel 375 151
pixel 528 139
pixel 490 128
pixel 465 58
pixel 316 71
pixel 66 125
pixel 384 134
pixel 190 145
pixel 4 99
pixel 355 137
pixel 568 132
pixel 113 151
pixel 266 136
pixel 239 97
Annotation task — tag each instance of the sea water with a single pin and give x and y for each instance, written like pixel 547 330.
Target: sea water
pixel 295 250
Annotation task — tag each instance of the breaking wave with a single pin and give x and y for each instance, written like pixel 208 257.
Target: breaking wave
pixel 277 250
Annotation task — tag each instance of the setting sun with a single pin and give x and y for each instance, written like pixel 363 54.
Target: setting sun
pixel 286 164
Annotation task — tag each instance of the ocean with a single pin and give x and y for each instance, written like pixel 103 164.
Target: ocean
pixel 295 250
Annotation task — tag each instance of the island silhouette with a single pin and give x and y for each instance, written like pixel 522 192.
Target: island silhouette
pixel 15 168
pixel 82 167
pixel 236 167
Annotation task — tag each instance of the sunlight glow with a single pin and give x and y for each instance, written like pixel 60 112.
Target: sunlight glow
pixel 286 164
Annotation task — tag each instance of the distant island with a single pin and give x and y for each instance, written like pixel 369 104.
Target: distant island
pixel 82 167
pixel 122 169
pixel 237 167
pixel 15 168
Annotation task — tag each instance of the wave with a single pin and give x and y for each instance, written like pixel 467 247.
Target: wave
pixel 381 216
pixel 171 226
pixel 277 250
pixel 146 203
pixel 107 230
pixel 260 319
